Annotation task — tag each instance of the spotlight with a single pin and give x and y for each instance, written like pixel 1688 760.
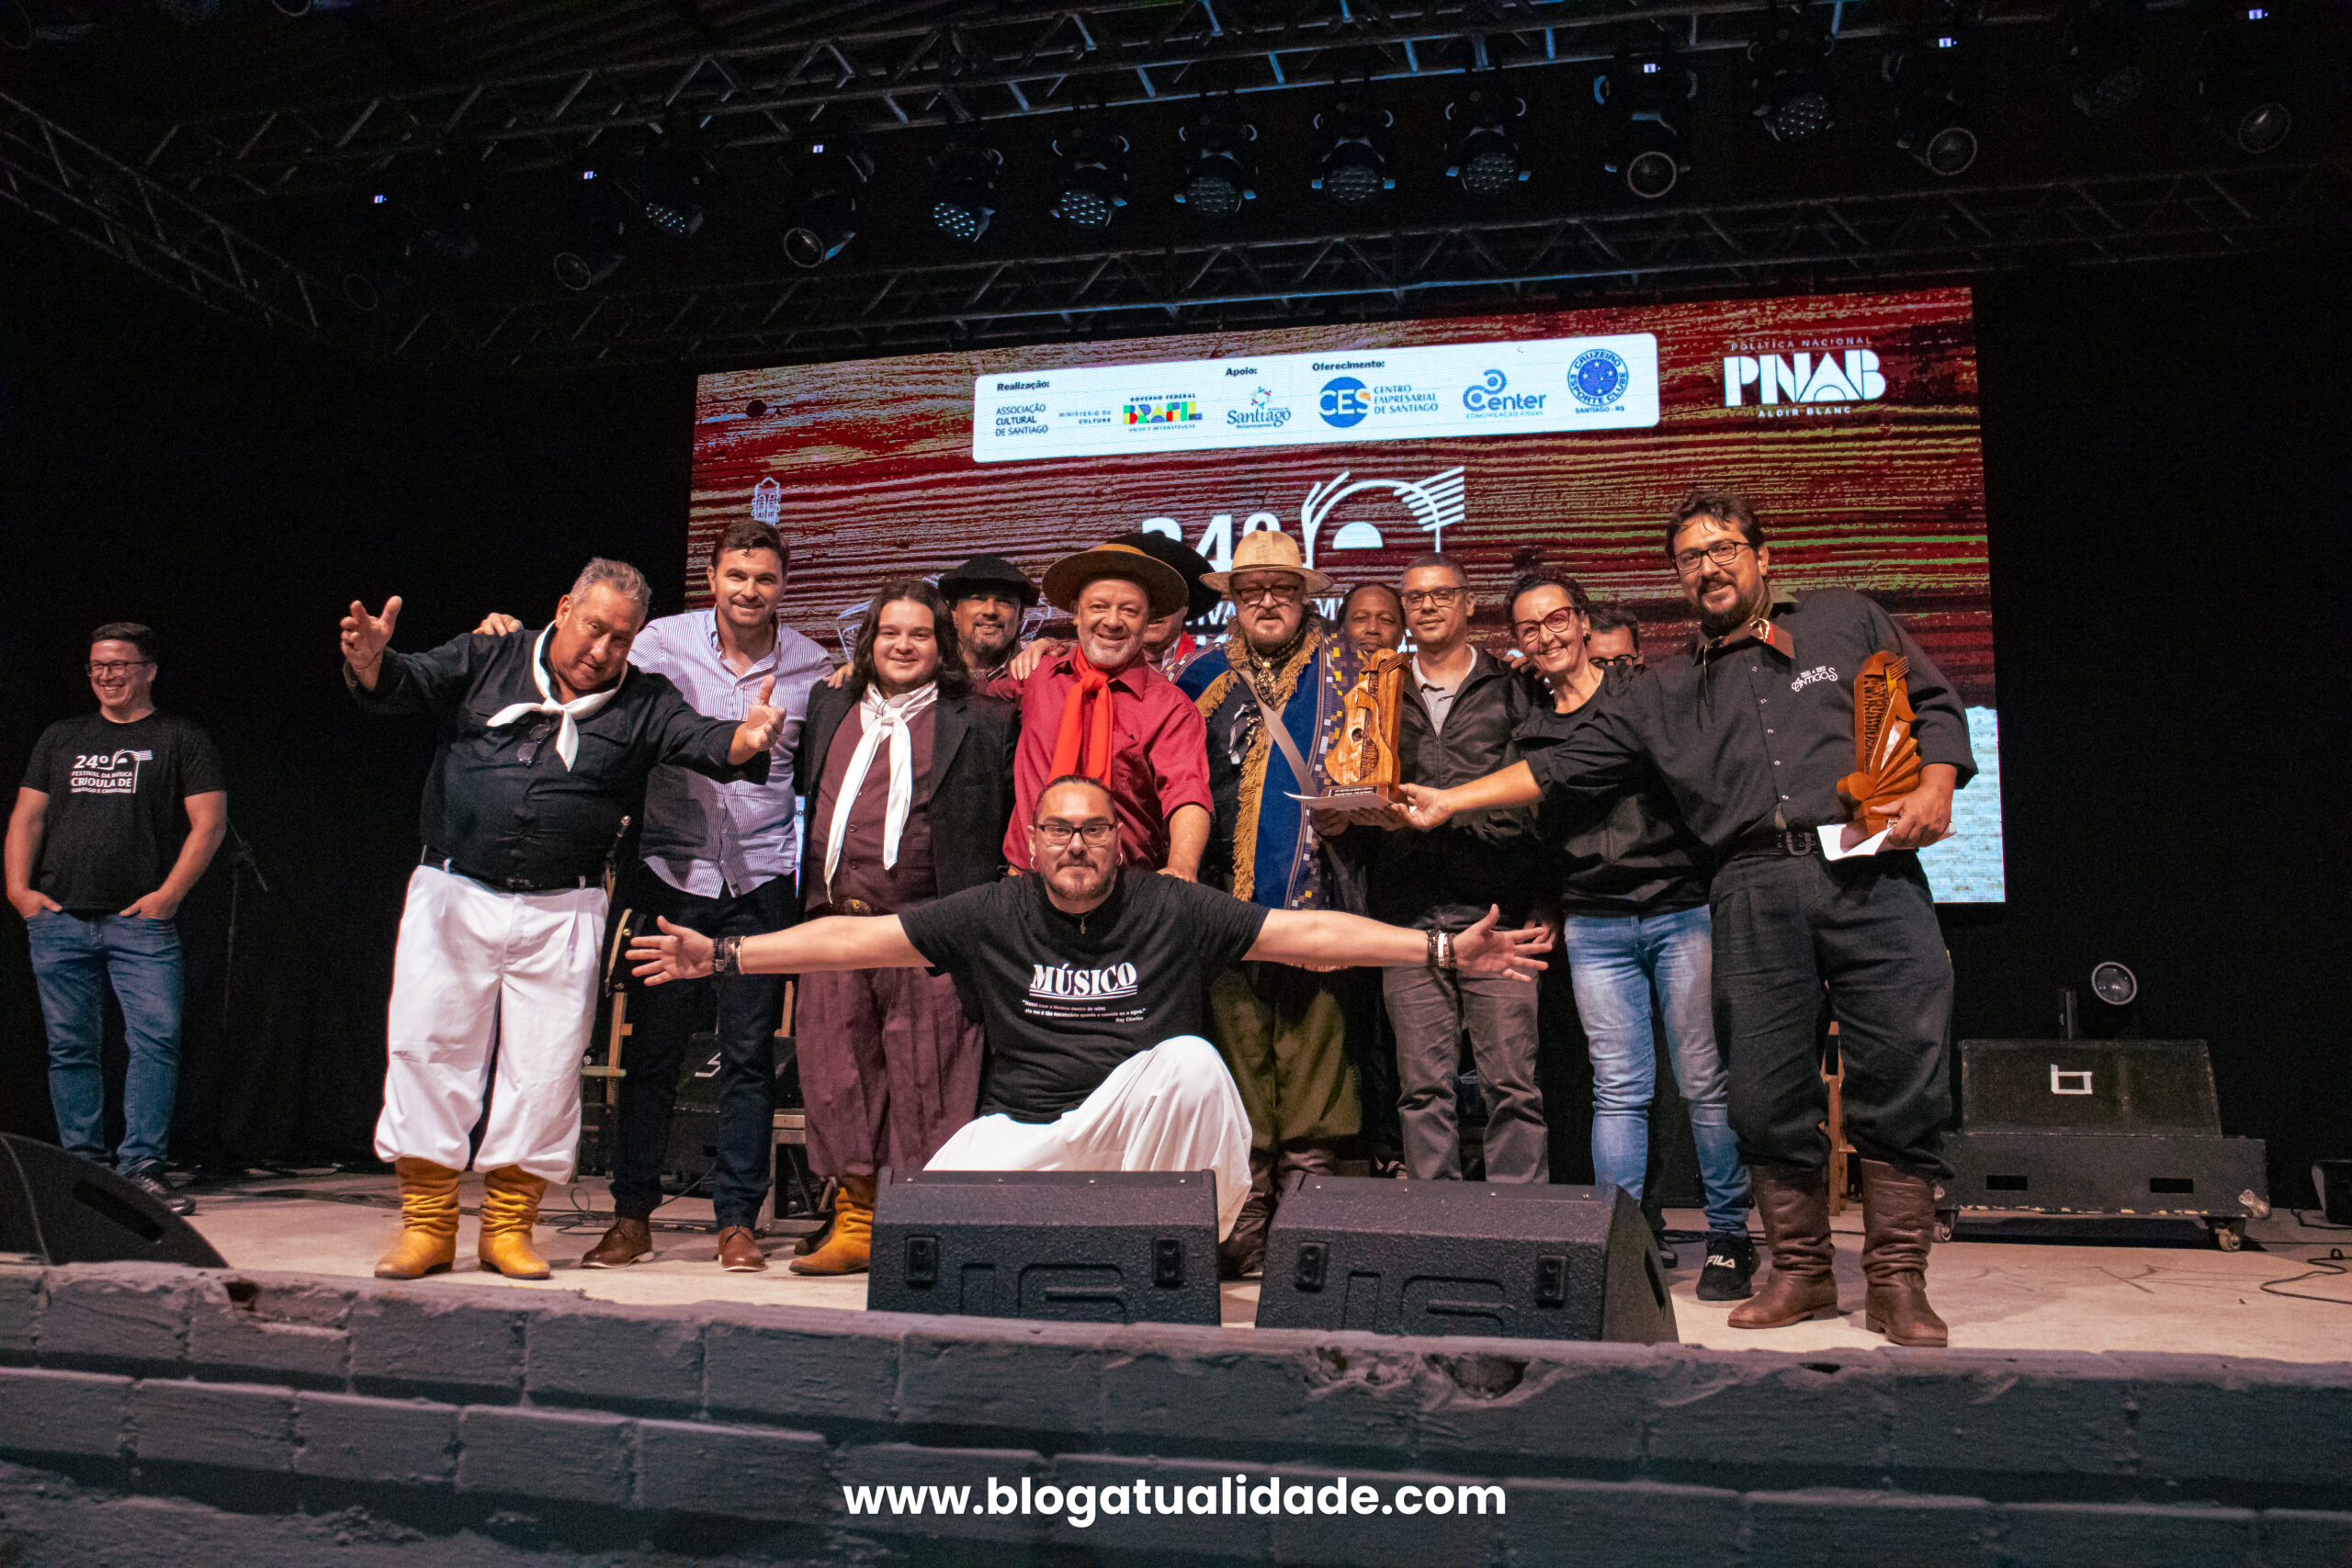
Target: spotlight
pixel 963 188
pixel 825 219
pixel 1354 167
pixel 1790 81
pixel 1933 120
pixel 2105 73
pixel 1647 88
pixel 664 186
pixel 1487 154
pixel 1218 168
pixel 1092 182
pixel 589 247
pixel 402 237
pixel 2242 87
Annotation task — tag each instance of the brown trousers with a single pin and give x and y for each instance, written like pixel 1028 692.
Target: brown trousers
pixel 889 1066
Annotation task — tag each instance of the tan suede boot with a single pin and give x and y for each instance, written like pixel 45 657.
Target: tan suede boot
pixel 1795 1206
pixel 428 1243
pixel 510 1207
pixel 851 1244
pixel 1898 1223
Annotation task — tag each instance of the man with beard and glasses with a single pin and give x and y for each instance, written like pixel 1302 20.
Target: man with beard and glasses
pixel 1099 708
pixel 1273 695
pixel 1750 733
pixel 988 595
pixel 910 780
pixel 1090 977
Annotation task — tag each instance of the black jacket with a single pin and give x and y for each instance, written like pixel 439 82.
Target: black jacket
pixel 967 791
pixel 1629 854
pixel 1448 877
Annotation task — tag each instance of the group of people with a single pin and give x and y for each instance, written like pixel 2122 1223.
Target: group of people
pixel 1081 903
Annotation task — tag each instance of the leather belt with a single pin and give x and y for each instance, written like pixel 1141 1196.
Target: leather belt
pixel 441 862
pixel 1788 841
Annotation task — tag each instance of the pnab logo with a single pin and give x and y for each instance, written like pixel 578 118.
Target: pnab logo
pixel 1345 401
pixel 1829 376
pixel 1489 399
pixel 1598 378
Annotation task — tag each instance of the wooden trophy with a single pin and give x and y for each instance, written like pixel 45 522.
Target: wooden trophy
pixel 1362 765
pixel 1886 753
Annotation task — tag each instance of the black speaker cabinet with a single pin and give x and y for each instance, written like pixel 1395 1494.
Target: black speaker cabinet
pixel 1512 1260
pixel 1064 1246
pixel 65 1210
pixel 2117 1127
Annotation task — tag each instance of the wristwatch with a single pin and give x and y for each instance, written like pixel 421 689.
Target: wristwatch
pixel 723 960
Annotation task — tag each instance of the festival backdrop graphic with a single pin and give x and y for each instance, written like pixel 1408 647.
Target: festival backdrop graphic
pixel 1850 420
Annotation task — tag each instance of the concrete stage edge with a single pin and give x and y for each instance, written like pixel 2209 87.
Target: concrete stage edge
pixel 182 1415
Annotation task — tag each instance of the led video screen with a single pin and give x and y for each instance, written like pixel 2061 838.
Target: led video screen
pixel 1850 419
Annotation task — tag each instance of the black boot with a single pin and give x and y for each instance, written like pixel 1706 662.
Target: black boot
pixel 1243 1251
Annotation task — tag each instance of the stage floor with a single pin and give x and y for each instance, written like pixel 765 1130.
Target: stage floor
pixel 2003 1284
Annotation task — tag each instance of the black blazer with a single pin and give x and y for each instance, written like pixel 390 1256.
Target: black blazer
pixel 968 790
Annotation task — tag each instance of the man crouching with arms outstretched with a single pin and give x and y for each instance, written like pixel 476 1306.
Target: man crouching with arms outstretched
pixel 1089 980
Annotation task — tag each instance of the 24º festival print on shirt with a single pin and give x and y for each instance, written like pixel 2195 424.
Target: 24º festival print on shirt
pixel 100 772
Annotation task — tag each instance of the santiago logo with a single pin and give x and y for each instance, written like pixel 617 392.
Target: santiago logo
pixel 1598 378
pixel 1488 398
pixel 1260 414
pixel 1345 401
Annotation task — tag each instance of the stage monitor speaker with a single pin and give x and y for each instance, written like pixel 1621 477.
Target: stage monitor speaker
pixel 2332 1177
pixel 62 1209
pixel 1063 1246
pixel 2087 1086
pixel 1510 1260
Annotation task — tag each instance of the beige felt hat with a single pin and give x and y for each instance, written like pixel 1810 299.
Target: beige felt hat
pixel 1068 577
pixel 1268 550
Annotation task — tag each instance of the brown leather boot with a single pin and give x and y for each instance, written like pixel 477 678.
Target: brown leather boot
pixel 1795 1206
pixel 428 1243
pixel 628 1241
pixel 1898 1223
pixel 850 1247
pixel 510 1207
pixel 1243 1251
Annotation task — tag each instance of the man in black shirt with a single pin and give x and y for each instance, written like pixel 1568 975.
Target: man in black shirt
pixel 1090 981
pixel 545 737
pixel 1749 732
pixel 118 814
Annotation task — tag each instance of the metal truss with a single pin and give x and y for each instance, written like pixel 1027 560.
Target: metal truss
pixel 979 64
pixel 66 182
pixel 979 302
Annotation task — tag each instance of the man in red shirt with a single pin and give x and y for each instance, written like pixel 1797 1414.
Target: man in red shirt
pixel 1102 710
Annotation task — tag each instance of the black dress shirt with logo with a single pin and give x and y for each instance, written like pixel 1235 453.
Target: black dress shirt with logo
pixel 500 804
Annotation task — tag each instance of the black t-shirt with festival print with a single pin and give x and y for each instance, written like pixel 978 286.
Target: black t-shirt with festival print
pixel 116 815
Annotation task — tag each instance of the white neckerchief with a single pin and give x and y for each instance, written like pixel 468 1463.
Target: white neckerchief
pixel 885 717
pixel 567 734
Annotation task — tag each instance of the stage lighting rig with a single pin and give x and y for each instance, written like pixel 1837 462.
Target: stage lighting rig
pixel 2242 79
pixel 1091 183
pixel 1648 89
pixel 1791 80
pixel 2106 70
pixel 824 220
pixel 187 13
pixel 1935 120
pixel 591 245
pixel 664 186
pixel 1487 157
pixel 1354 169
pixel 35 24
pixel 962 190
pixel 1220 171
pixel 420 231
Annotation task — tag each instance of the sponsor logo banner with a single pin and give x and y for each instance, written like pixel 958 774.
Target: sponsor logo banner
pixel 1306 399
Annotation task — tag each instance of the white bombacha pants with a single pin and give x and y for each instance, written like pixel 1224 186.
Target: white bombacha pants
pixel 478 967
pixel 1170 1108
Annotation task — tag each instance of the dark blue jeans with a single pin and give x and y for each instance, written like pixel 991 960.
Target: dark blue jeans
pixel 75 959
pixel 663 1017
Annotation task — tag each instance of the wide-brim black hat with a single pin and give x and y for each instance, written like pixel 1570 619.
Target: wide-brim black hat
pixel 987 574
pixel 1190 564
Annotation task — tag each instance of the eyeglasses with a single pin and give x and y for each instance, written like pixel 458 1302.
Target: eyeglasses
pixel 1723 552
pixel 1620 661
pixel 1557 623
pixel 1269 593
pixel 1096 833
pixel 1442 598
pixel 118 667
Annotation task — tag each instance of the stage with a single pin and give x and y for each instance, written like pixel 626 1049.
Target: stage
pixel 2009 1283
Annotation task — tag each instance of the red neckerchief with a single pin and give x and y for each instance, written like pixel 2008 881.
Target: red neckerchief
pixel 1083 745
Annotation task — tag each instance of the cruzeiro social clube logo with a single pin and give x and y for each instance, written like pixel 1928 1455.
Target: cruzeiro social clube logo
pixel 1598 378
pixel 1345 401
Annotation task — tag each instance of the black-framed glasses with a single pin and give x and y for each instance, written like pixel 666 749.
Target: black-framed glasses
pixel 1442 598
pixel 1618 661
pixel 1096 833
pixel 1723 552
pixel 1559 622
pixel 1284 593
pixel 118 666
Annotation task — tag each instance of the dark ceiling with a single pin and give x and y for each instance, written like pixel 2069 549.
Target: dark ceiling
pixel 241 157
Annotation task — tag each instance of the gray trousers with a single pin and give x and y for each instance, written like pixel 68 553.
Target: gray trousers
pixel 1430 1012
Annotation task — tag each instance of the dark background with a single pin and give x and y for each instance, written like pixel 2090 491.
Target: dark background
pixel 2164 451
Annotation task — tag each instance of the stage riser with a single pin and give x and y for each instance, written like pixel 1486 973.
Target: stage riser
pixel 2093 1173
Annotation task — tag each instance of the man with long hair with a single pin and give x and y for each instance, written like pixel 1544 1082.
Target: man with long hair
pixel 910 781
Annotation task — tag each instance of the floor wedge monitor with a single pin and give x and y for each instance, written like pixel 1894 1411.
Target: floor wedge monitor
pixel 64 1209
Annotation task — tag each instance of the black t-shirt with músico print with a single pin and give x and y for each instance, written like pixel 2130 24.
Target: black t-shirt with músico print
pixel 116 816
pixel 1065 999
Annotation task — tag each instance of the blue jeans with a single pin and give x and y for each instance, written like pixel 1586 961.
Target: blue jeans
pixel 74 960
pixel 1614 963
